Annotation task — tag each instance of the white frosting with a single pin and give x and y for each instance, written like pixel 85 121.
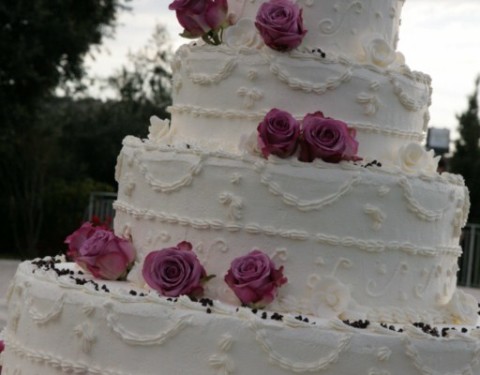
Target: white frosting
pixel 222 93
pixel 339 26
pixel 357 220
pixel 118 333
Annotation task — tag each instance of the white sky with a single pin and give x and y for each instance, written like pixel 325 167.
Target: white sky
pixel 438 37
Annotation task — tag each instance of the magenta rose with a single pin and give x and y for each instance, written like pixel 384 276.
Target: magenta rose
pixel 201 18
pixel 327 139
pixel 280 24
pixel 105 255
pixel 174 271
pixel 77 238
pixel 278 134
pixel 254 278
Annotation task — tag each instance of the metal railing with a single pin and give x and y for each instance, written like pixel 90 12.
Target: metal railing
pixel 469 262
pixel 101 206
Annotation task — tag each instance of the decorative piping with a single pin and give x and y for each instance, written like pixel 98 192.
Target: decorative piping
pixel 317 88
pixel 258 116
pixel 146 340
pixel 137 144
pixel 378 246
pixel 42 318
pixel 372 246
pixel 468 369
pixel 204 79
pixel 300 367
pixel 408 103
pixel 56 362
pixel 326 26
pixel 414 206
pixel 305 205
pixel 159 186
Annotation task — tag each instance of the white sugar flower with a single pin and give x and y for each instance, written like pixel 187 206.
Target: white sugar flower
pixel 413 159
pixel 243 34
pixel 379 52
pixel 158 129
pixel 329 297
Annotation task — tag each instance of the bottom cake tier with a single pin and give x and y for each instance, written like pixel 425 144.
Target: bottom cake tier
pixel 64 322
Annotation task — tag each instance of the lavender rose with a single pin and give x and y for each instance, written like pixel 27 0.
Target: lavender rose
pixel 254 279
pixel 174 271
pixel 278 134
pixel 280 24
pixel 328 139
pixel 201 18
pixel 105 255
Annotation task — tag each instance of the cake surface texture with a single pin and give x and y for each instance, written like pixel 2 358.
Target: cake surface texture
pixel 363 245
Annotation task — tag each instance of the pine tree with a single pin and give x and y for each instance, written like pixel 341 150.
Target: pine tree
pixel 466 159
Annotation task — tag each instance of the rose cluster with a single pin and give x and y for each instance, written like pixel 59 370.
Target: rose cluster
pixel 96 249
pixel 202 18
pixel 176 271
pixel 279 22
pixel 317 136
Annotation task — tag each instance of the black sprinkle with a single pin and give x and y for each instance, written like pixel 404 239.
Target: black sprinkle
pixel 276 316
pixel 361 324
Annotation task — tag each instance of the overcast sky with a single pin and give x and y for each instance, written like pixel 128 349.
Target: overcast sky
pixel 438 37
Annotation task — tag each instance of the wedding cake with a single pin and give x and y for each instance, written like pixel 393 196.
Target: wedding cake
pixel 287 221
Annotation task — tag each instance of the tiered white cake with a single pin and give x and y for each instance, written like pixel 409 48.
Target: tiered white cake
pixel 369 248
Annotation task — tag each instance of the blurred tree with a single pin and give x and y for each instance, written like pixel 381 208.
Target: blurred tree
pixel 85 136
pixel 42 45
pixel 147 77
pixel 466 159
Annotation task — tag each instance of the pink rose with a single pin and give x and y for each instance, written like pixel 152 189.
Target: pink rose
pixel 328 139
pixel 278 134
pixel 105 255
pixel 174 271
pixel 77 238
pixel 254 279
pixel 201 18
pixel 280 24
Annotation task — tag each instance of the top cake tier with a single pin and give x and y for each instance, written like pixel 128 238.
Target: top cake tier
pixel 340 26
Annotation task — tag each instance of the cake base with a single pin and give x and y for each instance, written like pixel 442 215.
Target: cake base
pixel 62 322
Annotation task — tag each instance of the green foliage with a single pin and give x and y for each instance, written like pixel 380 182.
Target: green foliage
pixel 42 44
pixel 147 77
pixel 466 159
pixel 55 151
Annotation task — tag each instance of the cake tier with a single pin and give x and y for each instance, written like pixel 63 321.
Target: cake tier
pixel 59 326
pixel 340 26
pixel 387 242
pixel 221 94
